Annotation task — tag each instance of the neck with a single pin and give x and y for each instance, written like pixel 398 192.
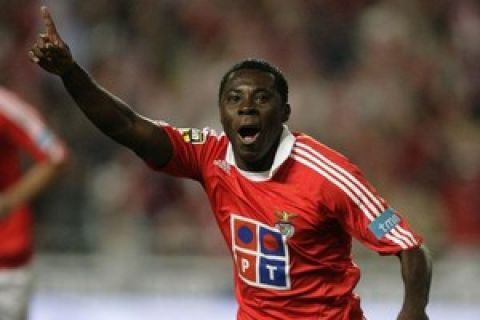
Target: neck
pixel 263 164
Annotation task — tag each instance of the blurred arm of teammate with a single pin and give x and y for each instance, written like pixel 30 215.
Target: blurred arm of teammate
pixel 107 112
pixel 35 180
pixel 416 273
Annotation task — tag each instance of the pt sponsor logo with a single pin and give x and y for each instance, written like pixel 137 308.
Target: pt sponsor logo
pixel 261 254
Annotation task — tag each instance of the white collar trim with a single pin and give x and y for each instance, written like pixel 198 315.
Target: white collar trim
pixel 287 140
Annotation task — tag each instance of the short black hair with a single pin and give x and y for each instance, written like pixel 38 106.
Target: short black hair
pixel 260 65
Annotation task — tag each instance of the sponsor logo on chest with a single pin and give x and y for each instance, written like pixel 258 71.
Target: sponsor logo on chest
pixel 261 252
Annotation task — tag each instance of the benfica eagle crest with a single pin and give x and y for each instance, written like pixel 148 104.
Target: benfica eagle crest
pixel 284 225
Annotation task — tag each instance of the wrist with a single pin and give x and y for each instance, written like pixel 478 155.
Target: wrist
pixel 69 70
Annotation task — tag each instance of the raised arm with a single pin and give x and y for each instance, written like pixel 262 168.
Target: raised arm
pixel 106 111
pixel 416 273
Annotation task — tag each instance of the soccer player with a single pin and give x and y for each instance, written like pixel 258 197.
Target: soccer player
pixel 287 205
pixel 22 130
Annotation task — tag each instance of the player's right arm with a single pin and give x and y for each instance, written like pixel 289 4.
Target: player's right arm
pixel 107 112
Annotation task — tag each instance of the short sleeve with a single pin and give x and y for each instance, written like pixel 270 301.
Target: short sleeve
pixel 27 130
pixel 366 216
pixel 192 150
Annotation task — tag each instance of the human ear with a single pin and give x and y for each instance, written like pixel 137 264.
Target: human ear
pixel 286 112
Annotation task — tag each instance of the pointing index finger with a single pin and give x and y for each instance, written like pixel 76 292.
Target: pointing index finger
pixel 49 24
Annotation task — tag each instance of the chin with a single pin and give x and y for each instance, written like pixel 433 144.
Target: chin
pixel 249 156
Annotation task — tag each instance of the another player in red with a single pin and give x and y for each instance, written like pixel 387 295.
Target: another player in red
pixel 286 204
pixel 21 131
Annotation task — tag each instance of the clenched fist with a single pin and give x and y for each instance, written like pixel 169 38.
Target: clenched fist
pixel 50 51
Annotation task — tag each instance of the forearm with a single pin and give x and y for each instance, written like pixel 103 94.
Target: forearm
pixel 106 111
pixel 416 273
pixel 32 183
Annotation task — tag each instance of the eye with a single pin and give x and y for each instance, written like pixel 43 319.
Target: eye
pixel 262 97
pixel 232 98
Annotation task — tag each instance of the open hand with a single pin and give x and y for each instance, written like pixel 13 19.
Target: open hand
pixel 50 51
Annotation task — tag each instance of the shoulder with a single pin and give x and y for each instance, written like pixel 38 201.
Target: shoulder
pixel 338 173
pixel 19 113
pixel 190 134
pixel 196 139
pixel 310 148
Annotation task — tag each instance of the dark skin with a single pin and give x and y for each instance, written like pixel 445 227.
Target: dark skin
pixel 416 267
pixel 251 103
pixel 252 114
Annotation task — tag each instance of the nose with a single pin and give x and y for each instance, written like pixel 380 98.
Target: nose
pixel 248 107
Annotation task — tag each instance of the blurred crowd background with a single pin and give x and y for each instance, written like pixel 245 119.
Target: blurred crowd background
pixel 394 85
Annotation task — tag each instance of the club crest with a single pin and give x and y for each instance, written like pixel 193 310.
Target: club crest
pixel 284 225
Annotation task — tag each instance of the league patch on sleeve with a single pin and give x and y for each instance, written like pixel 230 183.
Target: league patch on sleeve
pixel 384 223
pixel 193 135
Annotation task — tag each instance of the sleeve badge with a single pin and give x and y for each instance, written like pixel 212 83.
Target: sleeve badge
pixel 193 135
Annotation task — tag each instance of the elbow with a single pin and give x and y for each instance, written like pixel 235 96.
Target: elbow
pixel 425 252
pixel 59 160
pixel 60 165
pixel 418 253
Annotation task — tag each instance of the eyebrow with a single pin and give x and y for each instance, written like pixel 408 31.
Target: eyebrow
pixel 237 89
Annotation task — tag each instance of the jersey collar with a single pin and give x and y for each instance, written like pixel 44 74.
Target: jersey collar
pixel 287 140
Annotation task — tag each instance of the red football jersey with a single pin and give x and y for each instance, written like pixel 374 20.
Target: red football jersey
pixel 290 229
pixel 21 130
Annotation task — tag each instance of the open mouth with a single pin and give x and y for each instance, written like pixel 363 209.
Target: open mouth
pixel 249 133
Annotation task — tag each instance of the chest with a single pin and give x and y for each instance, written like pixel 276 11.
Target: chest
pixel 290 203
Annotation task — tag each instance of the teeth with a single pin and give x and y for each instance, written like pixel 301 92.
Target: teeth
pixel 249 139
